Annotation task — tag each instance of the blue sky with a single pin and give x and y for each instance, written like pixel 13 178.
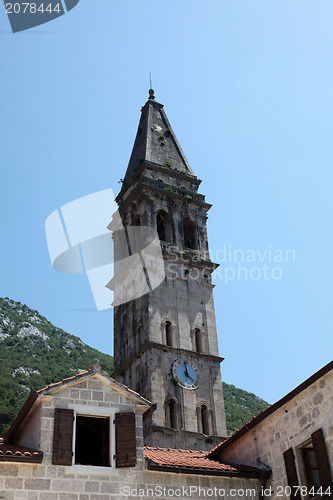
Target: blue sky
pixel 247 87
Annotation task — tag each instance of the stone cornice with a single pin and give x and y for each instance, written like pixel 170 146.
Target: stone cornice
pixel 164 348
pixel 142 187
pixel 156 168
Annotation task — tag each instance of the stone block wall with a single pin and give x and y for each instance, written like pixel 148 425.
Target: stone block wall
pixel 51 482
pixel 288 427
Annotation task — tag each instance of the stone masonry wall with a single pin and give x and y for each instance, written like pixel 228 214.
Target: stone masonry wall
pixel 92 392
pixel 51 482
pixel 289 426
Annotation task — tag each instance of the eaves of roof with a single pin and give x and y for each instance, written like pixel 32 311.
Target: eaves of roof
pixel 181 461
pixel 8 437
pixel 271 409
pixel 12 453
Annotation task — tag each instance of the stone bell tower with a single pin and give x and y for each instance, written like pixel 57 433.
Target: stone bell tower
pixel 165 342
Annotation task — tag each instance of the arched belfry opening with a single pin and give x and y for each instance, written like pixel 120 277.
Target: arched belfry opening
pixel 168 334
pixel 137 220
pixel 190 234
pixel 163 226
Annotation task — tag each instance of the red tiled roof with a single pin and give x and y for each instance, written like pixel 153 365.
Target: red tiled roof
pixel 13 453
pixel 194 461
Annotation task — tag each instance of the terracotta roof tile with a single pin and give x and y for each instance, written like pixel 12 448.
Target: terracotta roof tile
pixel 15 453
pixel 193 459
pixel 64 380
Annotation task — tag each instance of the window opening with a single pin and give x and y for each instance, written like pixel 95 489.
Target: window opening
pixel 173 413
pixel 168 334
pixel 189 234
pixel 161 227
pixel 311 467
pixel 198 340
pixel 92 441
pixel 205 419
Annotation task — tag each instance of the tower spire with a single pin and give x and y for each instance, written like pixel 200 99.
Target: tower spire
pixel 156 142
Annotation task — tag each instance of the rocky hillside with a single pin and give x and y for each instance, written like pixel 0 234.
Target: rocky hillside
pixel 34 353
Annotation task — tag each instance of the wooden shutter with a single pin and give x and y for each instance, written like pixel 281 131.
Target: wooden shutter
pixel 62 437
pixel 289 461
pixel 125 440
pixel 324 470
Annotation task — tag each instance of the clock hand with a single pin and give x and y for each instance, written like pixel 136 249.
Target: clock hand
pixel 187 375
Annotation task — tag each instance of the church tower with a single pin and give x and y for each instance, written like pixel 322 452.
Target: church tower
pixel 165 342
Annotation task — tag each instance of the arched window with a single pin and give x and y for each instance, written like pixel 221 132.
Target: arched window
pixel 205 420
pixel 190 237
pixel 204 416
pixel 173 414
pixel 199 341
pixel 123 344
pixel 163 226
pixel 168 334
pixel 137 220
pixel 138 337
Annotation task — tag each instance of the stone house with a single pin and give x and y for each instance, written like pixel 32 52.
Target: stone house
pixel 82 439
pixel 294 437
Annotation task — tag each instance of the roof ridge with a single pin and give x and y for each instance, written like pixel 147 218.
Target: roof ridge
pixel 65 380
pixel 179 450
pixel 272 408
pixel 96 368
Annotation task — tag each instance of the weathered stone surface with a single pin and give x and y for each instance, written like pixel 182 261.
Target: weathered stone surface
pixel 301 420
pixel 144 351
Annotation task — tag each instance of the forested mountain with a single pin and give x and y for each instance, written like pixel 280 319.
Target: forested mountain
pixel 240 406
pixel 34 353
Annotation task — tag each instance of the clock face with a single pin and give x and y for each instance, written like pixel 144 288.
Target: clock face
pixel 187 373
